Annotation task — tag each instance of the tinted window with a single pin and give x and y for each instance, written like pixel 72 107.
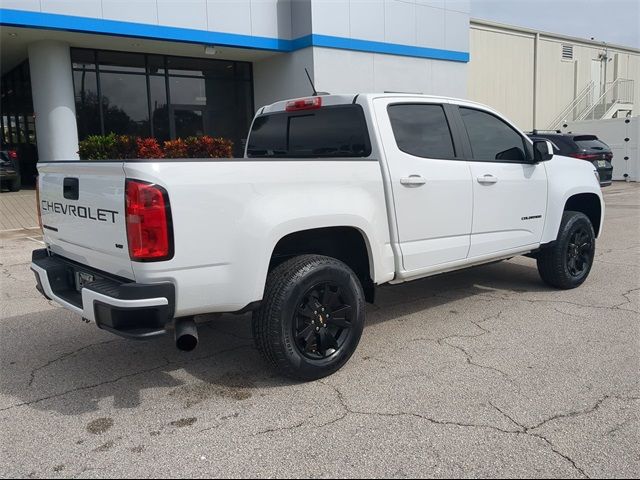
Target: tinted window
pixel 491 138
pixel 337 131
pixel 591 144
pixel 421 130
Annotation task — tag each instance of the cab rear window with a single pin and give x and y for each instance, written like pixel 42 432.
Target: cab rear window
pixel 333 131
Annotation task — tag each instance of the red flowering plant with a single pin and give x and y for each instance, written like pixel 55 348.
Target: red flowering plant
pixel 148 148
pixel 126 146
pixel 175 148
pixel 209 147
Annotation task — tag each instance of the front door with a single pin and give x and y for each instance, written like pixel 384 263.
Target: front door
pixel 430 181
pixel 509 191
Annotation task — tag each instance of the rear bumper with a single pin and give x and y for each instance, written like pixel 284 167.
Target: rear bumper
pixel 126 308
pixel 606 173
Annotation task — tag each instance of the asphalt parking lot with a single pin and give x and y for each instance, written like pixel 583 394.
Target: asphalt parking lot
pixel 484 372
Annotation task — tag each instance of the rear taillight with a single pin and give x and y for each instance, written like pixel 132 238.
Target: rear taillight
pixel 13 155
pixel 149 230
pixel 312 103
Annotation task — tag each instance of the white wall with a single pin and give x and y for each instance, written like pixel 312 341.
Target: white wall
pixel 423 23
pixel 282 76
pixel 441 24
pixel 266 18
pixel 341 71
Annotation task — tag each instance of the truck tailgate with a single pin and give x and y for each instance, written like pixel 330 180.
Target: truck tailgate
pixel 82 206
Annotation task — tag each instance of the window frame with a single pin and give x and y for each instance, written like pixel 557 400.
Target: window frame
pixel 526 142
pixel 455 142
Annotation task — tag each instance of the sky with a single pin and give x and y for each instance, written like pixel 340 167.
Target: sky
pixel 612 21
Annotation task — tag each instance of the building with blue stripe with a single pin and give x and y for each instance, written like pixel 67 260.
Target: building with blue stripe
pixel 170 68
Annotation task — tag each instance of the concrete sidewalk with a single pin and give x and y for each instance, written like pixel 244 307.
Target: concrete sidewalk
pixel 18 210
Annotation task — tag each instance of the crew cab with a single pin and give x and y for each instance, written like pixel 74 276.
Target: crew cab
pixel 335 195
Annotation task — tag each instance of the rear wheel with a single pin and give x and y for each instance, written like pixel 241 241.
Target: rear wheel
pixel 311 318
pixel 566 264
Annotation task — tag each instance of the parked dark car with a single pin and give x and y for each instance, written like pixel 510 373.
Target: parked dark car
pixel 10 169
pixel 583 147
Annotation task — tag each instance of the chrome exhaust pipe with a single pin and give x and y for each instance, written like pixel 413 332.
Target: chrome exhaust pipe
pixel 186 334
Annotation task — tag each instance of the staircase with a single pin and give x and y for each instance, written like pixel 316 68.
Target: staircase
pixel 617 98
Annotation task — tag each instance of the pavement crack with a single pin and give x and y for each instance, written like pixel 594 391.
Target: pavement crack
pixel 524 430
pixel 350 411
pixel 116 380
pixel 555 450
pixel 279 429
pixel 574 413
pixel 32 375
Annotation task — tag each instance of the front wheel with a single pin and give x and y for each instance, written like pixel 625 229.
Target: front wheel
pixel 566 264
pixel 311 318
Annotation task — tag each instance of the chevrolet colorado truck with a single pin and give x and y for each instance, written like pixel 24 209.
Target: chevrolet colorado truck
pixel 334 196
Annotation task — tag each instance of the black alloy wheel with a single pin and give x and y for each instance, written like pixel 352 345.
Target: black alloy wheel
pixel 579 252
pixel 311 317
pixel 322 322
pixel 566 263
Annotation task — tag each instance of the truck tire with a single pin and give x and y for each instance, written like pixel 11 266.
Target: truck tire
pixel 567 262
pixel 311 318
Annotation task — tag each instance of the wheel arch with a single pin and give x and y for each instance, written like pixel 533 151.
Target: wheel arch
pixel 588 204
pixel 348 244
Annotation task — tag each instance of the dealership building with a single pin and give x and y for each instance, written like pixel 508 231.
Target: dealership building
pixel 176 68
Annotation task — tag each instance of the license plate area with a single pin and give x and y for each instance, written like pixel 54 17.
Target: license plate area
pixel 82 279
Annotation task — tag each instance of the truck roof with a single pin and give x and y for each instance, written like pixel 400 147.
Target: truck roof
pixel 342 99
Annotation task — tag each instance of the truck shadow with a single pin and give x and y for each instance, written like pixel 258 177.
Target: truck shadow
pixel 51 361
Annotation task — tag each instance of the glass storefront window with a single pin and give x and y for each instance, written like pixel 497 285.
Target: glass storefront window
pixel 165 97
pixel 188 91
pixel 87 104
pixel 156 64
pixel 159 108
pixel 85 59
pixel 124 104
pixel 121 62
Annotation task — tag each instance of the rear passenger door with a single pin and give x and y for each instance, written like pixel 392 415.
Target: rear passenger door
pixel 509 190
pixel 431 184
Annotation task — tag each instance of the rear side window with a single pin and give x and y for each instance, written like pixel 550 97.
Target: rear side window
pixel 421 130
pixel 333 131
pixel 492 139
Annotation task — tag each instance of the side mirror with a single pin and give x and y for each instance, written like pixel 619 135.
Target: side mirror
pixel 542 150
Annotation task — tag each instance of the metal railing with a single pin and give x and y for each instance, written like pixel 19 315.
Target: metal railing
pixel 620 91
pixel 582 102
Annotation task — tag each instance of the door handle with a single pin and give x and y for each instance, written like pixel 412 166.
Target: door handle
pixel 487 179
pixel 413 181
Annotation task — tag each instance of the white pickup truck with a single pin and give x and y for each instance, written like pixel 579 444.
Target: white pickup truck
pixel 335 195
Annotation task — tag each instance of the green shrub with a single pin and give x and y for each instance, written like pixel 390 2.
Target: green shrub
pixel 98 147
